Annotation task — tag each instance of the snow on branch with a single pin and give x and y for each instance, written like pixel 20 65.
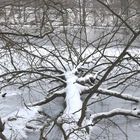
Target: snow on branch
pixel 118 95
pixel 112 93
pixel 48 99
pixel 114 112
pixel 87 79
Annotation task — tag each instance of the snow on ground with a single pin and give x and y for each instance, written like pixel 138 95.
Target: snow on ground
pixel 16 116
pixel 15 123
pixel 21 122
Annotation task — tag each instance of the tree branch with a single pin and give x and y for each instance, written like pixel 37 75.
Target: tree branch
pixel 48 99
pixel 118 95
pixel 114 112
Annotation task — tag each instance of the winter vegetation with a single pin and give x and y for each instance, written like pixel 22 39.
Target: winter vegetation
pixel 69 70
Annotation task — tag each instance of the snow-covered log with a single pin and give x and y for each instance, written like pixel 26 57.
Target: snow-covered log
pixel 72 113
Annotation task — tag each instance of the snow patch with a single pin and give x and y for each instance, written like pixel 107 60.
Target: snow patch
pixel 15 123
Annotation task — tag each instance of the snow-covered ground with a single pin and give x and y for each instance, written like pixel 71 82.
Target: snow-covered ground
pixel 22 122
